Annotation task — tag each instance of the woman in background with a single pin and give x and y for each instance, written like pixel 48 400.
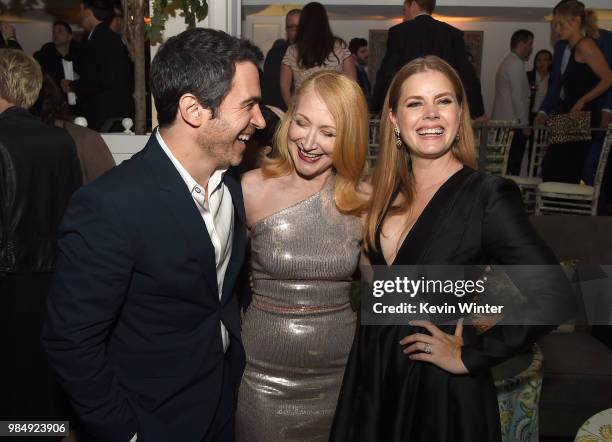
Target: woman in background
pixel 585 79
pixel 315 49
pixel 302 211
pixel 420 382
pixel 94 155
pixel 538 81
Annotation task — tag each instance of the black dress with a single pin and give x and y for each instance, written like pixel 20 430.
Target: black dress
pixel 564 162
pixel 386 397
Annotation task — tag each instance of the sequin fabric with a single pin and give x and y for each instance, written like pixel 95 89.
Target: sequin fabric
pixel 298 331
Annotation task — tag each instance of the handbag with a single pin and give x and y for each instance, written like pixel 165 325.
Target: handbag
pixel 569 128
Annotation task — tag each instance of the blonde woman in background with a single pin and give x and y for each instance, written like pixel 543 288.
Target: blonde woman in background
pixel 586 78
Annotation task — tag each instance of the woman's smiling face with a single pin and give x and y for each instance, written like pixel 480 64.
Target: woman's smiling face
pixel 311 136
pixel 427 114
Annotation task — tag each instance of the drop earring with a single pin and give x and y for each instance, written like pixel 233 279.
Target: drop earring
pixel 398 140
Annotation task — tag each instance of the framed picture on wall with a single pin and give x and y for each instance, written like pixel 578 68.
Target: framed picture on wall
pixel 473 45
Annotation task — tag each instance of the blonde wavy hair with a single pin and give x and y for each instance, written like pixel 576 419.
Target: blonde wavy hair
pixel 347 105
pixel 20 78
pixel 393 170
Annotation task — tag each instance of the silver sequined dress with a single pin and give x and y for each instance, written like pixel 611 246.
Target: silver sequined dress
pixel 299 328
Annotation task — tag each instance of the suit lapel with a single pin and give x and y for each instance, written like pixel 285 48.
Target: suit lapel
pixel 180 206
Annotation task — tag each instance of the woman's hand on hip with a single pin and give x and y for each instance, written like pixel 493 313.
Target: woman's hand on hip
pixel 438 348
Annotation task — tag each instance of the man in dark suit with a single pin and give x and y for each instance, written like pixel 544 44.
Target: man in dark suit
pixel 143 324
pixel 52 55
pixel 106 84
pixel 422 35
pixel 8 37
pixel 359 51
pixel 270 81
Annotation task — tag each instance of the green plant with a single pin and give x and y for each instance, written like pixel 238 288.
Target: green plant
pixel 192 10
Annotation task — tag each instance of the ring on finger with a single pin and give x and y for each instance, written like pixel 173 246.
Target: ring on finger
pixel 427 348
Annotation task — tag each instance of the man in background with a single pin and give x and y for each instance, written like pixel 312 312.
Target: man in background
pixel 422 35
pixel 359 51
pixel 512 94
pixel 106 84
pixel 52 54
pixel 270 82
pixel 39 171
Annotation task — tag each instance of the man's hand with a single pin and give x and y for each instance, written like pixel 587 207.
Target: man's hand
pixel 8 30
pixel 540 120
pixel 66 85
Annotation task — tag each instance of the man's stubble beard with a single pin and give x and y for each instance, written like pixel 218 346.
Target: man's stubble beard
pixel 221 152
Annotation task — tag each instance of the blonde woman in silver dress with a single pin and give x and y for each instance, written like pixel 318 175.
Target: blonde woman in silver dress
pixel 302 211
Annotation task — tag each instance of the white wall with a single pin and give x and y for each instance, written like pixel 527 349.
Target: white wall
pixel 31 36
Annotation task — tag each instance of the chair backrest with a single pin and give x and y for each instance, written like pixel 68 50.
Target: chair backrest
pixel 539 144
pixel 499 140
pixel 373 142
pixel 603 160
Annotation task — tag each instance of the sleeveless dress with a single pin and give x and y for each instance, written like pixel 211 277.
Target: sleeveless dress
pixel 333 62
pixel 298 330
pixel 564 162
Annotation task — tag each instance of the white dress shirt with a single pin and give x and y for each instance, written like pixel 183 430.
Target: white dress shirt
pixel 541 87
pixel 511 91
pixel 217 212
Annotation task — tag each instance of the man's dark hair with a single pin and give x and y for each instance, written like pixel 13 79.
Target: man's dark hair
pixel 200 62
pixel 357 43
pixel 520 36
pixel 426 5
pixel 555 9
pixel 64 24
pixel 294 11
pixel 101 9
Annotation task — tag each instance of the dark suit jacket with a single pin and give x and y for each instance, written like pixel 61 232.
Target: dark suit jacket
pixel 551 102
pixel 270 80
pixel 426 36
pixel 50 60
pixel 133 314
pixel 106 84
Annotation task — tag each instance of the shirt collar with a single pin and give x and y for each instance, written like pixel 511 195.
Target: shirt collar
pixel 214 182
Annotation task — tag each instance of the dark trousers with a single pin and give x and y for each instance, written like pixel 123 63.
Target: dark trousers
pixel 222 428
pixel 517 150
pixel 29 390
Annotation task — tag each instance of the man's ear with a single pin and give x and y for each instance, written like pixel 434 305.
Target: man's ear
pixel 192 112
